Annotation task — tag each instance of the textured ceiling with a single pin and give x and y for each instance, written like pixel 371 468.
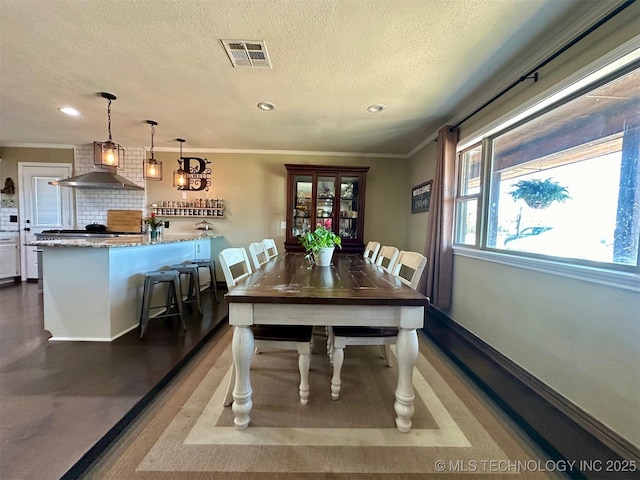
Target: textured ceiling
pixel 331 59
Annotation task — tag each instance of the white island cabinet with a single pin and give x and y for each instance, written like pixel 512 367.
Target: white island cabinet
pixel 93 288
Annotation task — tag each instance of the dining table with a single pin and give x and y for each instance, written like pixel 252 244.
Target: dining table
pixel 353 291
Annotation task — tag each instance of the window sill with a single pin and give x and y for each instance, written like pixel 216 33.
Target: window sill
pixel 611 278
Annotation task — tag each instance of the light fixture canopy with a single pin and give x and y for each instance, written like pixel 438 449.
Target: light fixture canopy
pixel 108 153
pixel 152 167
pixel 180 176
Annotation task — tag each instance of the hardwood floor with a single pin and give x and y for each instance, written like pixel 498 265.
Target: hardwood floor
pixel 59 399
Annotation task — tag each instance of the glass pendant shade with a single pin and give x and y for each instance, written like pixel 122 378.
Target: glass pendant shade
pixel 107 154
pixel 152 169
pixel 180 179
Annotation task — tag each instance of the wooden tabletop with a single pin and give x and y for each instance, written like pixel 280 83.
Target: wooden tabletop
pixel 350 280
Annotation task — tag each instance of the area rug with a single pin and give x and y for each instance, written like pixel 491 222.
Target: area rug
pixel 188 434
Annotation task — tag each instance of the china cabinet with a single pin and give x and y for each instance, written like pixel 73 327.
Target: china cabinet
pixel 328 196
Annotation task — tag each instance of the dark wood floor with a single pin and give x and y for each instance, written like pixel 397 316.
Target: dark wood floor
pixel 57 399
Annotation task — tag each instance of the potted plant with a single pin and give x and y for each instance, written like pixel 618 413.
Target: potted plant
pixel 320 245
pixel 154 225
pixel 538 193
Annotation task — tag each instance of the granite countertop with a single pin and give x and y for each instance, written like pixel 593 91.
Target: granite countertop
pixel 125 241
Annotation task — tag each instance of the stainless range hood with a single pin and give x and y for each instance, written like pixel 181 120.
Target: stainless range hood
pixel 98 179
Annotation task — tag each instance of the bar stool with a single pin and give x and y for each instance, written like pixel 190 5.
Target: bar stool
pixel 211 265
pixel 151 279
pixel 193 290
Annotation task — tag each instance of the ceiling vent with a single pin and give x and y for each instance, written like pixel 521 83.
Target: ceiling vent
pixel 247 53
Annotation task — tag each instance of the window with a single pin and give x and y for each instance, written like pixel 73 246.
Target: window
pixel 563 184
pixel 467 200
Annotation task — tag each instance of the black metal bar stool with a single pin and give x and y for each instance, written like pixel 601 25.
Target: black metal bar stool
pixel 151 279
pixel 211 265
pixel 193 290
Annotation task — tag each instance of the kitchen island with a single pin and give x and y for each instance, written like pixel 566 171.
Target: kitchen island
pixel 93 287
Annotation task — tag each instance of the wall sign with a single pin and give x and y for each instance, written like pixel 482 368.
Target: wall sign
pixel 197 173
pixel 421 197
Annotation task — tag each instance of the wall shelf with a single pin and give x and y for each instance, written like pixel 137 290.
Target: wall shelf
pixel 205 207
pixel 208 213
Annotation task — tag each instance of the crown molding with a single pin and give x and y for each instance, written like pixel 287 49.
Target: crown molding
pixel 284 152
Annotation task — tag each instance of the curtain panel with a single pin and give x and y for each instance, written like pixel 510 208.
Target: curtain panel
pixel 439 245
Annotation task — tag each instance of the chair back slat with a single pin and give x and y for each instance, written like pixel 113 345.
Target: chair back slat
pixel 235 265
pixel 371 251
pixel 270 247
pixel 258 254
pixel 409 268
pixel 387 258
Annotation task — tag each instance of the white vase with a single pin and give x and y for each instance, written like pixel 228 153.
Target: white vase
pixel 322 257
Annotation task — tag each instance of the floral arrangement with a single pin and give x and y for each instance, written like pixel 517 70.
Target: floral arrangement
pixel 154 222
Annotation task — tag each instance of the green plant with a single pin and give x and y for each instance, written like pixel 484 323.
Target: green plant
pixel 539 193
pixel 320 238
pixel 154 222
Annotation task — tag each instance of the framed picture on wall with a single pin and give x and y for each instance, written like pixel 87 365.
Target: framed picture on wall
pixel 421 197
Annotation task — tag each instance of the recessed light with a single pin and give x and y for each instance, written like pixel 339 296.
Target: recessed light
pixel 70 111
pixel 266 106
pixel 375 108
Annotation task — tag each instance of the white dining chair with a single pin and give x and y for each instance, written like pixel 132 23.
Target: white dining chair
pixel 408 269
pixel 258 254
pixel 270 247
pixel 387 258
pixel 371 251
pixel 235 265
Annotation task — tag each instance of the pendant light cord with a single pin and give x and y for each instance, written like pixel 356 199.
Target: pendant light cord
pixel 153 132
pixel 109 118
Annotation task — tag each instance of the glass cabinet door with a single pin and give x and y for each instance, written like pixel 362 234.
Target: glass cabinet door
pixel 303 188
pixel 329 196
pixel 349 207
pixel 325 198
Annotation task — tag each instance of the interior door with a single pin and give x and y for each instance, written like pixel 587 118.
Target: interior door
pixel 42 207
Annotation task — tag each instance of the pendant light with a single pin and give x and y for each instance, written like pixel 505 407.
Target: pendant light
pixel 108 154
pixel 180 176
pixel 152 167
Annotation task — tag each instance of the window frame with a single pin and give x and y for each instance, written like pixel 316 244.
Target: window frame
pixel 618 275
pixel 466 198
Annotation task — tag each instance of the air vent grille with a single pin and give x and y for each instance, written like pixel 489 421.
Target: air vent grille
pixel 247 53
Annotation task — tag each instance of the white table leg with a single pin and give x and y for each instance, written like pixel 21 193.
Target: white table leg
pixel 242 349
pixel 407 352
pixel 336 383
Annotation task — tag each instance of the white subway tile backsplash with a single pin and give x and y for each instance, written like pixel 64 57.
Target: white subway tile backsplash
pixel 5 216
pixel 92 205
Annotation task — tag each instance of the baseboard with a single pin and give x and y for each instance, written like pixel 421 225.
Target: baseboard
pixel 561 428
